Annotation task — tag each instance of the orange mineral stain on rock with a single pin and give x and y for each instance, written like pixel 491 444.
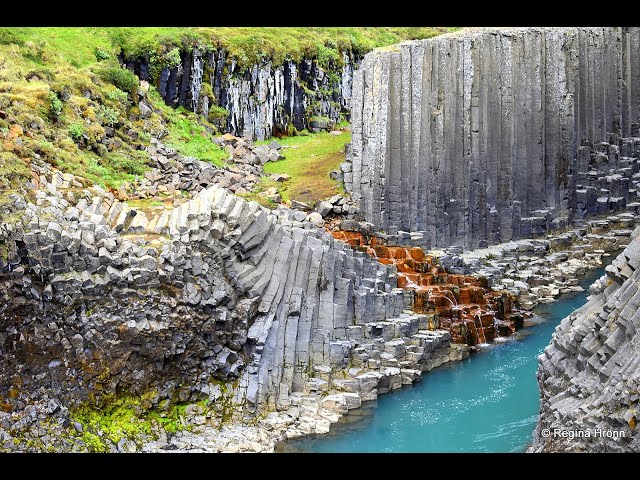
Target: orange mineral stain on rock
pixel 461 304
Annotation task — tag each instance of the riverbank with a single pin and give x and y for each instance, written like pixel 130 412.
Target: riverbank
pixel 538 271
pixel 487 403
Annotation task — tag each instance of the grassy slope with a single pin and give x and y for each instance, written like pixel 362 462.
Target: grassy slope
pixel 308 160
pixel 38 62
pixel 56 103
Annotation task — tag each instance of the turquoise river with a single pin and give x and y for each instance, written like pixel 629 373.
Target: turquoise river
pixel 486 403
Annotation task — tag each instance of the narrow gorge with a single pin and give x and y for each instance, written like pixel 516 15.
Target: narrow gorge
pixel 488 170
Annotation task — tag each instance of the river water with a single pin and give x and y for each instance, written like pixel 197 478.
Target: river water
pixel 486 403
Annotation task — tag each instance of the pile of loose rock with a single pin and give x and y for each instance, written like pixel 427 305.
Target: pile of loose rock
pixel 242 151
pixel 338 205
pixel 43 174
pixel 173 172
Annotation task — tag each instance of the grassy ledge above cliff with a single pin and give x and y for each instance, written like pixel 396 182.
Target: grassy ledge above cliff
pixel 80 45
pixel 308 160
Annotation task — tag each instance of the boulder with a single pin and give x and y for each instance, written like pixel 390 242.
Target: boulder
pixel 262 152
pixel 299 205
pixel 336 403
pixel 316 219
pixel 280 177
pixel 145 110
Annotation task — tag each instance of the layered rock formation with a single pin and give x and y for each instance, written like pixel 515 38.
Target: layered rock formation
pixel 489 135
pixel 259 101
pixel 589 375
pixel 99 298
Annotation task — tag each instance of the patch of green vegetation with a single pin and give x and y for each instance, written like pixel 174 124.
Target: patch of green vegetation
pixel 117 95
pixel 76 131
pixel 108 116
pixel 101 54
pixel 13 171
pixel 187 134
pixel 122 78
pixel 145 203
pixel 7 37
pixel 59 111
pixel 114 169
pixel 308 160
pixel 75 45
pixel 126 417
pixel 55 105
pixel 218 115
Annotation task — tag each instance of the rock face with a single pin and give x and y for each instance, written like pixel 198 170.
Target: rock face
pixel 99 298
pixel 589 375
pixel 260 101
pixel 490 135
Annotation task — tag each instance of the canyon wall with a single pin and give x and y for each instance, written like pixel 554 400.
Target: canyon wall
pixel 589 376
pixel 98 298
pixel 489 135
pixel 260 101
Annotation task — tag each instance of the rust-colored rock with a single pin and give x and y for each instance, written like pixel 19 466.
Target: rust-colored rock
pixel 462 304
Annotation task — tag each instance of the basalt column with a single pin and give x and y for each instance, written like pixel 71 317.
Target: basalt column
pixel 476 137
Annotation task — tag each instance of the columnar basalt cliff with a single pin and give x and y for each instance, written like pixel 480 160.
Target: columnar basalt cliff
pixel 101 300
pixel 260 101
pixel 130 300
pixel 490 135
pixel 589 375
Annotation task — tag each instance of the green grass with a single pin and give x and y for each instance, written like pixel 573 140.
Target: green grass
pixel 187 135
pixel 71 107
pixel 78 45
pixel 308 160
pixel 13 171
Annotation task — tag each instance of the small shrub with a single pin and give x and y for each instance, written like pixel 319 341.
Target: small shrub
pixel 117 95
pixel 172 58
pixel 124 164
pixel 326 56
pixel 108 116
pixel 12 170
pixel 122 78
pixel 76 131
pixel 101 54
pixel 55 105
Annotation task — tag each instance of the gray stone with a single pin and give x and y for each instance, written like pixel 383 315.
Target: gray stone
pixel 324 208
pixel 400 184
pixel 145 110
pixel 316 219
